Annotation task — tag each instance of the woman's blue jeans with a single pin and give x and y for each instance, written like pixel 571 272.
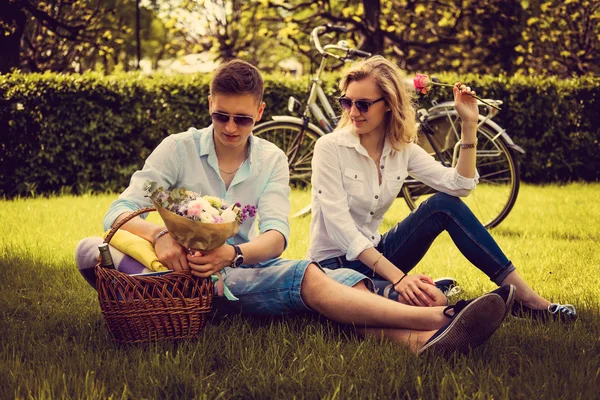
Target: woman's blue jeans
pixel 407 242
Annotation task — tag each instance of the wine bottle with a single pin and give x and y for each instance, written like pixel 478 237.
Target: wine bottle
pixel 107 261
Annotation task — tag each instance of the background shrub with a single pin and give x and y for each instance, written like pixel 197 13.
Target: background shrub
pixel 81 133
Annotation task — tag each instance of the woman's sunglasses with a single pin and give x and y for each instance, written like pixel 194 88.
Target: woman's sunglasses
pixel 239 120
pixel 361 105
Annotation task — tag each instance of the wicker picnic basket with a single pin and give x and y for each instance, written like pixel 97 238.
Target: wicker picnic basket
pixel 141 309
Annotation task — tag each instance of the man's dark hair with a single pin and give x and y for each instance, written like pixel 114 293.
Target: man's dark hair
pixel 237 77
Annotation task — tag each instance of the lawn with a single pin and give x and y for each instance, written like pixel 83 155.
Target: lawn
pixel 54 343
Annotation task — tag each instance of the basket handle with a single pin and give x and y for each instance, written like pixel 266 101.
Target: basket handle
pixel 128 218
pixel 119 224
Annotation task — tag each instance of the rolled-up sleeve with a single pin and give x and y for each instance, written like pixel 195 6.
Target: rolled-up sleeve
pixel 162 166
pixel 329 193
pixel 426 169
pixel 274 202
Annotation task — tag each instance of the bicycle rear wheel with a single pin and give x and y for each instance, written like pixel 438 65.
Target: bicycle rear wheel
pixel 297 142
pixel 499 179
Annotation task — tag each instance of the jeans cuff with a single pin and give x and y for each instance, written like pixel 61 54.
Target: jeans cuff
pixel 502 273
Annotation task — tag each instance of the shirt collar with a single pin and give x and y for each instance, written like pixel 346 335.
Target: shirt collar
pixel 349 139
pixel 207 143
pixel 387 148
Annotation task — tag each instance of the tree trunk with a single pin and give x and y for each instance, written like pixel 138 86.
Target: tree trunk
pixel 14 16
pixel 372 40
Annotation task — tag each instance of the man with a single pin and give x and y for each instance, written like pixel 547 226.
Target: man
pixel 227 161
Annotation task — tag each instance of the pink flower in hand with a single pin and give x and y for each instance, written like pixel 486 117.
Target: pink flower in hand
pixel 421 83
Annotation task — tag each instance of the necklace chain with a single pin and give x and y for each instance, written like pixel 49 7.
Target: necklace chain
pixel 239 166
pixel 232 172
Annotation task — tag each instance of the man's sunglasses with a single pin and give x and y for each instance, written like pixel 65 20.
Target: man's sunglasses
pixel 361 105
pixel 239 120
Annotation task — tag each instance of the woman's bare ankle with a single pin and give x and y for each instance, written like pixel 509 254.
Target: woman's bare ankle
pixel 532 300
pixel 536 304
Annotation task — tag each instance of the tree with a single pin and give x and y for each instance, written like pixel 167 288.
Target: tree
pixel 78 35
pixel 562 38
pixel 29 27
pixel 470 35
pixel 246 29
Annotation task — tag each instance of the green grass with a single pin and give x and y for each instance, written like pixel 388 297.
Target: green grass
pixel 53 343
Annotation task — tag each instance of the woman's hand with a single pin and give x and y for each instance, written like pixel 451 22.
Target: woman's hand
pixel 171 254
pixel 465 105
pixel 417 290
pixel 210 262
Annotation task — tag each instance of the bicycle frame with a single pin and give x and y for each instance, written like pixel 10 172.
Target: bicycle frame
pixel 328 122
pixel 447 109
pixel 318 106
pixel 316 95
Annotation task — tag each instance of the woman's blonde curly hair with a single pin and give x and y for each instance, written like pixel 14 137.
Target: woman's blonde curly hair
pixel 400 122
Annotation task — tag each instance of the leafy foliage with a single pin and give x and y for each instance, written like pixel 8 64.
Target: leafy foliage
pixel 80 35
pixel 561 38
pixel 551 37
pixel 167 199
pixel 82 133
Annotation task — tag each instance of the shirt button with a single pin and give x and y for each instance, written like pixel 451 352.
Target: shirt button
pixel 355 176
pixel 398 177
pixel 376 197
pixel 319 192
pixel 382 167
pixel 371 213
pixel 372 237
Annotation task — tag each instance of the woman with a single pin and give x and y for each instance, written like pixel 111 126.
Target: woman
pixel 358 171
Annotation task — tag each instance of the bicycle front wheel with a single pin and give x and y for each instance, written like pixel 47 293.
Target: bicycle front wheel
pixel 499 178
pixel 297 142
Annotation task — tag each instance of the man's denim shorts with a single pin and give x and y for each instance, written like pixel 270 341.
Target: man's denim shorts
pixel 273 287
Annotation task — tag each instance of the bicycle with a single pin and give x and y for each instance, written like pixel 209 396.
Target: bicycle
pixel 438 134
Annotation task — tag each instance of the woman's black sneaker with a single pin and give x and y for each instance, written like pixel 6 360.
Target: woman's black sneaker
pixel 507 292
pixel 448 286
pixel 472 324
pixel 554 312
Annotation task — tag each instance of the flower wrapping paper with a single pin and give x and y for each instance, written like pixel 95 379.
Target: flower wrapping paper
pixel 196 235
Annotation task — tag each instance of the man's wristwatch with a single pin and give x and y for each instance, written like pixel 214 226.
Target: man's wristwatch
pixel 238 260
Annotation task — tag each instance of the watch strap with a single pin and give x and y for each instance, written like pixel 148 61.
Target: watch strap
pixel 238 255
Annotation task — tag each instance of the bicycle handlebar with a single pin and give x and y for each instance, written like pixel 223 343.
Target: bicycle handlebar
pixel 359 53
pixel 336 28
pixel 319 30
pixel 315 37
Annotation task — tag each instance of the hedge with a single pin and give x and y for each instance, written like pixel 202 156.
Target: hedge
pixel 81 133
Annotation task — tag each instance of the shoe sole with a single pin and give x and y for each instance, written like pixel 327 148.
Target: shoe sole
pixel 509 300
pixel 472 327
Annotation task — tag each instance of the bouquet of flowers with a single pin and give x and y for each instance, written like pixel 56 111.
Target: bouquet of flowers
pixel 197 222
pixel 423 84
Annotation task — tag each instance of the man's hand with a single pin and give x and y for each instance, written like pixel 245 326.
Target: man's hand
pixel 208 263
pixel 171 254
pixel 417 290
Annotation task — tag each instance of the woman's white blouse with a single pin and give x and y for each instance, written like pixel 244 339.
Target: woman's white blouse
pixel 348 203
